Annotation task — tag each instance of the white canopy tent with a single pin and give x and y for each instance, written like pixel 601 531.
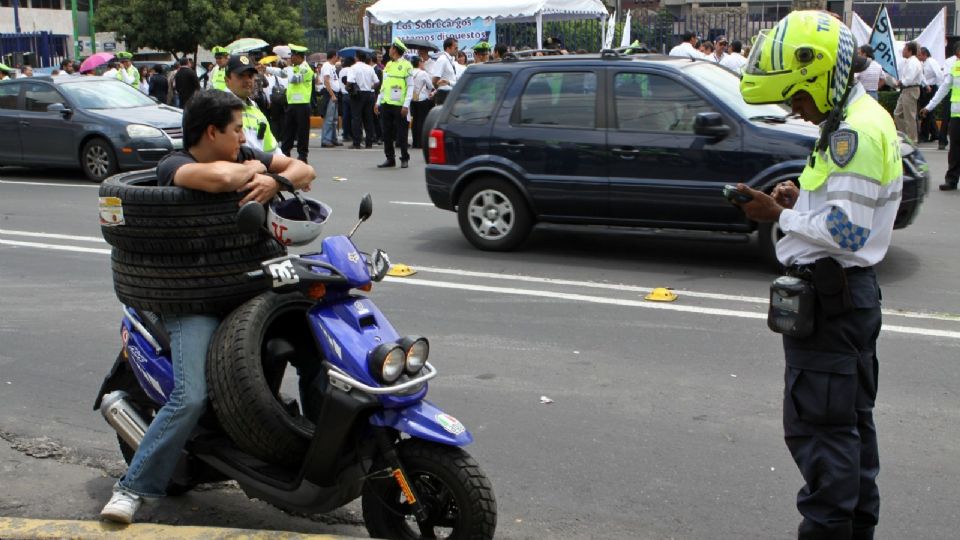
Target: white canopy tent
pixel 396 11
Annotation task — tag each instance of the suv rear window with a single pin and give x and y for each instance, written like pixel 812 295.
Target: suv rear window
pixel 476 101
pixel 560 99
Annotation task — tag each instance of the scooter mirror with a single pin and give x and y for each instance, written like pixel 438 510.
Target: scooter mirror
pixel 251 217
pixel 366 207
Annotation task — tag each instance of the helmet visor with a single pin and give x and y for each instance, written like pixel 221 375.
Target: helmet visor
pixel 771 56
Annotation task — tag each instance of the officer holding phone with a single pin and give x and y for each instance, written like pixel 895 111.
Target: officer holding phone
pixel 838 225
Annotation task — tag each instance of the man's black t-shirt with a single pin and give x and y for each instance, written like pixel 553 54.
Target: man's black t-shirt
pixel 171 163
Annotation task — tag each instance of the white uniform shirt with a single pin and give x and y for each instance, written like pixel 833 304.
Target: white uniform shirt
pixel 733 61
pixel 863 201
pixel 686 49
pixel 932 74
pixel 445 68
pixel 111 73
pixel 912 72
pixel 329 72
pixel 459 68
pixel 422 85
pixel 946 85
pixel 870 77
pixel 364 76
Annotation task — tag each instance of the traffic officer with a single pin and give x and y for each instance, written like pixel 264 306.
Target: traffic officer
pixel 838 225
pixel 481 53
pixel 218 73
pixel 128 73
pixel 241 74
pixel 5 71
pixel 950 83
pixel 296 123
pixel 393 103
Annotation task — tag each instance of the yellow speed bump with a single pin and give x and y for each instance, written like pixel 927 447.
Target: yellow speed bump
pixel 400 270
pixel 17 528
pixel 661 294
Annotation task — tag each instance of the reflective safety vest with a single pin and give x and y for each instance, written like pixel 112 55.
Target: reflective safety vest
pixel 218 78
pixel 256 128
pixel 300 85
pixel 955 90
pixel 872 151
pixel 132 71
pixel 394 87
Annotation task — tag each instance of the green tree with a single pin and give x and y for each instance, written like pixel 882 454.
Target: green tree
pixel 180 26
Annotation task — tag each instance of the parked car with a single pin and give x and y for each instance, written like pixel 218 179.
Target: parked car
pixel 100 125
pixel 637 141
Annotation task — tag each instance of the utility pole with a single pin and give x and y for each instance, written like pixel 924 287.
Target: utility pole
pixel 93 31
pixel 16 16
pixel 76 30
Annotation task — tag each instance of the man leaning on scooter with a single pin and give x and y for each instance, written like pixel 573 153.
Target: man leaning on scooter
pixel 215 161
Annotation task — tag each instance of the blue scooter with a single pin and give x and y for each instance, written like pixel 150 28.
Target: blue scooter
pixel 364 428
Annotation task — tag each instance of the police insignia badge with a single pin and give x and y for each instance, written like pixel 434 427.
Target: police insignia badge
pixel 843 146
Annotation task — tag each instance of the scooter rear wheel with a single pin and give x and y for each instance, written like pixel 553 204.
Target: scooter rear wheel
pixel 456 493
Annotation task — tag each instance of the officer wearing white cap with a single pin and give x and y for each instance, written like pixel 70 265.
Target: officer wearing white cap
pixel 394 103
pixel 296 124
pixel 240 73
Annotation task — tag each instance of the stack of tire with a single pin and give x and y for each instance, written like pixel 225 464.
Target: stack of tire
pixel 178 250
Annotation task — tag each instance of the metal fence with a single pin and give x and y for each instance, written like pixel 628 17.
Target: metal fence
pixel 39 49
pixel 659 31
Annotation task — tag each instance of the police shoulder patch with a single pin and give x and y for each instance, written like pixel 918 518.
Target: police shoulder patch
pixel 843 146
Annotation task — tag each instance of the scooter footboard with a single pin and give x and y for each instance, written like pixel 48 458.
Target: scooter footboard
pixel 424 420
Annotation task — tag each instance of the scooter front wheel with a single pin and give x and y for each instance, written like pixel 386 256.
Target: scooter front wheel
pixel 456 494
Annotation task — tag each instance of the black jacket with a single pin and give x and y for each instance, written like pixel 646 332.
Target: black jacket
pixel 187 83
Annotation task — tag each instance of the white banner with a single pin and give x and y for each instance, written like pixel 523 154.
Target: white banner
pixel 611 29
pixel 625 39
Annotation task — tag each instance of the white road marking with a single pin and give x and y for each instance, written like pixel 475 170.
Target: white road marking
pixel 53 236
pixel 412 203
pixel 29 183
pixel 54 247
pixel 512 277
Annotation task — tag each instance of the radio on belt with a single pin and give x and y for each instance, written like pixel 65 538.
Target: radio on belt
pixel 791 307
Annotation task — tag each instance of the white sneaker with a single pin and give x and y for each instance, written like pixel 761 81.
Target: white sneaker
pixel 121 507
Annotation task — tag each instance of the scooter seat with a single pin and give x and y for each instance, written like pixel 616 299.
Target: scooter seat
pixel 151 321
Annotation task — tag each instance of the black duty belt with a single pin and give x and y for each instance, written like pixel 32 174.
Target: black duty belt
pixel 805 271
pixel 911 86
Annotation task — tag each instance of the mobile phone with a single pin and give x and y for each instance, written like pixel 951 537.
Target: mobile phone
pixel 733 195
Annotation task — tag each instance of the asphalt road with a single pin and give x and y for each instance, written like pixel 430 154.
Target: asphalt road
pixel 665 418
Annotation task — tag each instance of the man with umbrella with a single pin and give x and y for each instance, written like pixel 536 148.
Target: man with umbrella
pixel 218 74
pixel 394 103
pixel 296 124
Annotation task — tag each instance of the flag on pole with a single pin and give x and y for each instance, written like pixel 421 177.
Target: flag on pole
pixel 881 39
pixel 611 29
pixel 934 36
pixel 625 39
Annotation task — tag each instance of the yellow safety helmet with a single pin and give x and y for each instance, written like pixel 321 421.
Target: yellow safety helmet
pixel 806 50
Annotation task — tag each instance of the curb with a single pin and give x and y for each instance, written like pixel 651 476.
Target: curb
pixel 22 528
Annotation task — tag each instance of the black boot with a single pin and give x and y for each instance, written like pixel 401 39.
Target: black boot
pixel 946 186
pixel 404 163
pixel 386 164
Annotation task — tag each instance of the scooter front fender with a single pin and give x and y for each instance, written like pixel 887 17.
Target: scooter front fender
pixel 424 421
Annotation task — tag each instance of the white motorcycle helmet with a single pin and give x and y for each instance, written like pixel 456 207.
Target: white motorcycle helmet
pixel 297 220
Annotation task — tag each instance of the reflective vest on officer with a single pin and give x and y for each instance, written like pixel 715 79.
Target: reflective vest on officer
pixel 878 157
pixel 394 88
pixel 955 90
pixel 132 71
pixel 256 128
pixel 300 85
pixel 218 78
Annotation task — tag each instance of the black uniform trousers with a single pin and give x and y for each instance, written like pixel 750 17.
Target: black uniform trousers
pixel 829 394
pixel 395 129
pixel 296 127
pixel 361 110
pixel 419 110
pixel 928 123
pixel 944 122
pixel 953 152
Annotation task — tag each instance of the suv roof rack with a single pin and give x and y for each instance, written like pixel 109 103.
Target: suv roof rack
pixel 517 55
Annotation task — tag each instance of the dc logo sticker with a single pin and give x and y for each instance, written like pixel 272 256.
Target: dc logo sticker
pixel 354 257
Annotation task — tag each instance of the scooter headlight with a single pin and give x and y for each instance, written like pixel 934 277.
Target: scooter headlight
pixel 386 362
pixel 417 349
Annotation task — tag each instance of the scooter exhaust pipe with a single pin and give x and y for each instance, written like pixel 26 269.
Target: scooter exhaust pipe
pixel 123 417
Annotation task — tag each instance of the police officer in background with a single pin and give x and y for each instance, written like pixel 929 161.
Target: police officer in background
pixel 838 226
pixel 218 74
pixel 127 72
pixel 393 104
pixel 481 53
pixel 950 83
pixel 296 123
pixel 241 72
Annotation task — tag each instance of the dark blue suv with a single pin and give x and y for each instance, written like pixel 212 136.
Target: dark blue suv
pixel 636 141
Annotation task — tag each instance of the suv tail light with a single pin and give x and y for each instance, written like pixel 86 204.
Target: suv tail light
pixel 437 151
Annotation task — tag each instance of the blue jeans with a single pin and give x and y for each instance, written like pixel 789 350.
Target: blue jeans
pixel 329 134
pixel 161 448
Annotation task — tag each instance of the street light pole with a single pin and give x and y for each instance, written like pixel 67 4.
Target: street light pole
pixel 93 31
pixel 76 30
pixel 16 16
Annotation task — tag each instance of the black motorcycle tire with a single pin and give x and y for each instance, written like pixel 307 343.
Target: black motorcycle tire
pixel 171 219
pixel 244 397
pixel 470 511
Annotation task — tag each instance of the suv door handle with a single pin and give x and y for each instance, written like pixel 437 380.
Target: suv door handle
pixel 512 146
pixel 24 123
pixel 626 152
